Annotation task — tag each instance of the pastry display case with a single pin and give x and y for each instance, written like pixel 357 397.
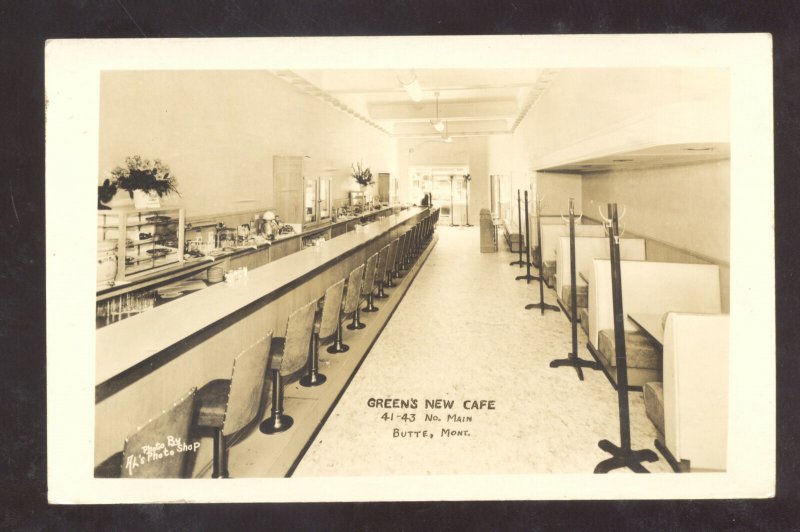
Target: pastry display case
pixel 146 241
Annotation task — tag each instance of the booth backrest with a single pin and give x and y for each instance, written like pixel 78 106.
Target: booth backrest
pixel 588 248
pixel 696 354
pixel 551 234
pixel 552 219
pixel 651 288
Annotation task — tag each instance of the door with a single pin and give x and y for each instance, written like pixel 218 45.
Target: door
pixel 309 200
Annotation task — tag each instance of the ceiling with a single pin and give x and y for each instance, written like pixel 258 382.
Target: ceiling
pixel 471 102
pixel 687 153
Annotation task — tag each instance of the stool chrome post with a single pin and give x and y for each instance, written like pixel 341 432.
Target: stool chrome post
pixel 278 421
pixel 313 377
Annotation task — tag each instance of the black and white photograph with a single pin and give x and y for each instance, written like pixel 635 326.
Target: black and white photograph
pixel 410 268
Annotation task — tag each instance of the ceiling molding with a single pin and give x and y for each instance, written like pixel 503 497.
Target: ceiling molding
pixel 542 84
pixel 450 111
pixel 309 88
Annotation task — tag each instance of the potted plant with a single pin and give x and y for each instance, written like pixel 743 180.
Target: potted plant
pixel 105 193
pixel 362 176
pixel 146 181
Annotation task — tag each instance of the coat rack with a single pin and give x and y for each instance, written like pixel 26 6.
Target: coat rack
pixel 452 212
pixel 623 455
pixel 467 179
pixel 572 357
pixel 519 217
pixel 528 277
pixel 541 304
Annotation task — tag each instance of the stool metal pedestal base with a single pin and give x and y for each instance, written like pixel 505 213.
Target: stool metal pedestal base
pixel 528 277
pixel 338 346
pixel 356 324
pixel 370 305
pixel 313 377
pixel 621 457
pixel 576 362
pixel 543 306
pixel 220 464
pixel 274 425
pixel 381 294
pixel 313 380
pixel 278 421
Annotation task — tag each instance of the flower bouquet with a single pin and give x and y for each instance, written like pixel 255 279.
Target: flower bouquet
pixel 362 176
pixel 143 178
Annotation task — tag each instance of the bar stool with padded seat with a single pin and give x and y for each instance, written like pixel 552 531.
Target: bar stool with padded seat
pixel 380 271
pixel 398 256
pixel 289 354
pixel 412 250
pixel 368 285
pixel 325 327
pixel 140 457
pixel 229 405
pixel 423 231
pixel 349 307
pixel 404 257
pixel 388 273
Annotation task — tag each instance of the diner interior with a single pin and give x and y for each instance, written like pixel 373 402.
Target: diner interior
pixel 344 272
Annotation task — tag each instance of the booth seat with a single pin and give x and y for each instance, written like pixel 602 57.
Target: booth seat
pixel 647 288
pixel 691 413
pixel 583 316
pixel 550 238
pixel 511 231
pixel 587 248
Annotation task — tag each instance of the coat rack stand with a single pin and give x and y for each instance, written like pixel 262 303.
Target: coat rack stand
pixel 541 304
pixel 572 358
pixel 519 217
pixel 622 455
pixel 528 277
pixel 466 182
pixel 452 212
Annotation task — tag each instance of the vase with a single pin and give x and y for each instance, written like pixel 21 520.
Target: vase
pixel 120 200
pixel 146 200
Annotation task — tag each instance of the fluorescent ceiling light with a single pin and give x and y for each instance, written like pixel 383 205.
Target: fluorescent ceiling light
pixel 412 88
pixel 446 135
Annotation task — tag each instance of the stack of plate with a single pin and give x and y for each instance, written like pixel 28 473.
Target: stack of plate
pixel 215 274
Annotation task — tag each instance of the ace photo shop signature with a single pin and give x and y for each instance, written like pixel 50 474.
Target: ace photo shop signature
pixel 159 451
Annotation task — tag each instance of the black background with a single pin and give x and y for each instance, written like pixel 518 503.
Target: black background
pixel 24 26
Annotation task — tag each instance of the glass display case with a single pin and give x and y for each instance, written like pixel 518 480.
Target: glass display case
pixel 145 241
pixel 324 198
pixel 316 200
pixel 309 201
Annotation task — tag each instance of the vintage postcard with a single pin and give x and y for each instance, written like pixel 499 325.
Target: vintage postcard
pixel 410 268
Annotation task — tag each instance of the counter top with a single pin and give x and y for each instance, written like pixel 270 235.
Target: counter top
pixel 124 344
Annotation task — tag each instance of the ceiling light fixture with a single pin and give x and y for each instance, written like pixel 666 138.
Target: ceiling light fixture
pixel 413 88
pixel 437 124
pixel 446 136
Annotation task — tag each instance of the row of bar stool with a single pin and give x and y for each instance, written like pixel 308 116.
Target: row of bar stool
pixel 228 406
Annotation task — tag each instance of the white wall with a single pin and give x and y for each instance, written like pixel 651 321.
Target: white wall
pixel 218 131
pixel 687 206
pixel 556 189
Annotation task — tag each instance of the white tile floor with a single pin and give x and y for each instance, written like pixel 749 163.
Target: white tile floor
pixel 461 333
